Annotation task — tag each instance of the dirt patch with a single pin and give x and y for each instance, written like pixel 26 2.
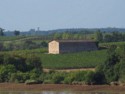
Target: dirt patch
pixel 70 70
pixel 57 87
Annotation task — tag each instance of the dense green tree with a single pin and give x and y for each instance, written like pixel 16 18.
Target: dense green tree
pixel 34 62
pixel 89 77
pixel 114 37
pixel 1 32
pixel 121 71
pixel 108 38
pixel 19 77
pixel 65 35
pixel 5 72
pixel 110 68
pixel 44 44
pixel 16 32
pixel 99 36
pixel 57 35
pixel 1 46
pixel 17 61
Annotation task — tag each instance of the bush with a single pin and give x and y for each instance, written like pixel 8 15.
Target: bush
pixel 69 78
pixel 29 82
pixel 5 72
pixel 80 76
pixel 19 77
pixel 35 74
pixel 89 78
pixel 48 81
pixel 16 60
pixel 57 78
pixel 33 61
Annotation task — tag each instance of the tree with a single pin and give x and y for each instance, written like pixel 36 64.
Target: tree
pixel 65 35
pixel 44 44
pixel 1 46
pixel 6 71
pixel 16 32
pixel 57 35
pixel 1 32
pixel 34 62
pixel 121 71
pixel 99 36
pixel 109 67
pixel 108 38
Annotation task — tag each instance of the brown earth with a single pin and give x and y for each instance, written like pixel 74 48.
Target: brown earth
pixel 58 87
pixel 70 70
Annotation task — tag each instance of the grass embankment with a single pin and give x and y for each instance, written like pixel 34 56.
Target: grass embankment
pixel 87 59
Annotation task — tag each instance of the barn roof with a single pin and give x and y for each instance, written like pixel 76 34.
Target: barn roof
pixel 74 41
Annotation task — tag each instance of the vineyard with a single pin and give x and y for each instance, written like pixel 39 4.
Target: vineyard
pixel 74 60
pixel 108 44
pixel 87 59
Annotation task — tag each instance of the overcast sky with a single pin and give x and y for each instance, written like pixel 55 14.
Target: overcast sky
pixel 56 14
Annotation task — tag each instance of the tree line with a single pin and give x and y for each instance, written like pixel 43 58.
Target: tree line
pixel 22 45
pixel 110 37
pixel 15 32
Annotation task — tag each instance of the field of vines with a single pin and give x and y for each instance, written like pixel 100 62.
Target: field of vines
pixel 10 38
pixel 21 38
pixel 108 44
pixel 74 60
pixel 86 59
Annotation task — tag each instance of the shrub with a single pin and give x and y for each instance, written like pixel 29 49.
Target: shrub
pixel 57 78
pixel 89 78
pixel 48 81
pixel 80 75
pixel 29 82
pixel 35 74
pixel 33 61
pixel 5 72
pixel 19 77
pixel 69 78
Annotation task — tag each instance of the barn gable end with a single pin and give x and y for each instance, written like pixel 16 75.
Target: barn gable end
pixel 53 47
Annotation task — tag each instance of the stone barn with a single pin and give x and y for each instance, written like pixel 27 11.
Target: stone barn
pixel 67 46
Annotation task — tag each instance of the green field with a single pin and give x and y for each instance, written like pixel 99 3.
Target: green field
pixel 87 59
pixel 74 60
pixel 111 43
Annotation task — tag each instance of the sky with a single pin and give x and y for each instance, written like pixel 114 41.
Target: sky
pixel 58 14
